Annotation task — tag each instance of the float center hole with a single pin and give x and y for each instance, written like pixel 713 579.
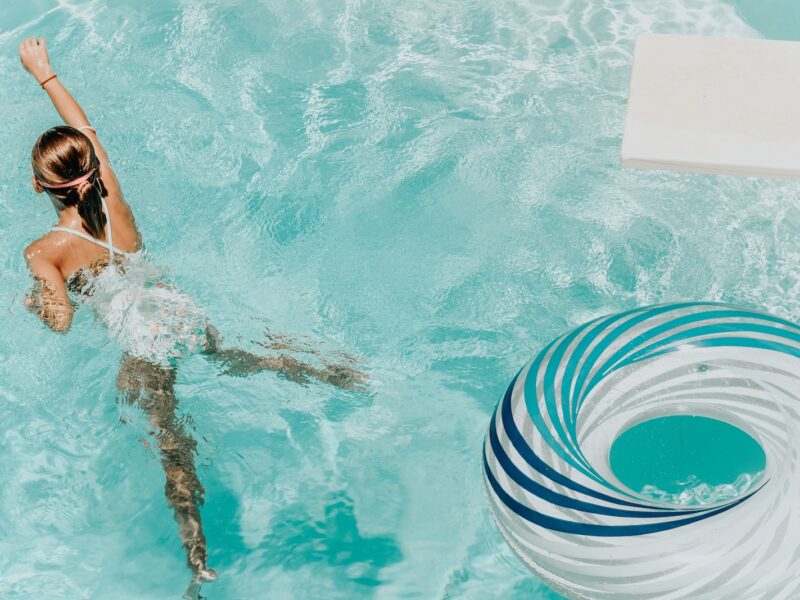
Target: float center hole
pixel 687 460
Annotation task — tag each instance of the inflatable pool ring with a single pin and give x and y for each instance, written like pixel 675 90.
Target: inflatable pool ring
pixel 564 513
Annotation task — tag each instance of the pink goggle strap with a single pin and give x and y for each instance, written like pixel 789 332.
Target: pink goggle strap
pixel 73 183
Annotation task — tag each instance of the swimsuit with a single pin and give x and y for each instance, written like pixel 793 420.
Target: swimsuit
pixel 149 317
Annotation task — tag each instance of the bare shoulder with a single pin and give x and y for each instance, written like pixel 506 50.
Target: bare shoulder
pixel 116 202
pixel 36 248
pixel 43 249
pixel 123 223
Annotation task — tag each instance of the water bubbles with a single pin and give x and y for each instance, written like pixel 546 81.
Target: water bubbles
pixel 699 493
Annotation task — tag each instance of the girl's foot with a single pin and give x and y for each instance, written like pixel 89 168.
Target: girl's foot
pixel 201 576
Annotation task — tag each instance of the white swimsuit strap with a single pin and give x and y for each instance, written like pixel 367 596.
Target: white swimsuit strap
pixel 108 245
pixel 85 236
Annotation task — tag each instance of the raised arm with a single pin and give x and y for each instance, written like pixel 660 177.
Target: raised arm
pixel 35 60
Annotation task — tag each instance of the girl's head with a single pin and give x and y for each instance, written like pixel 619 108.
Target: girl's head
pixel 65 166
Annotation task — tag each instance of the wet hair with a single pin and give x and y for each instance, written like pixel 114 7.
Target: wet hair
pixel 62 154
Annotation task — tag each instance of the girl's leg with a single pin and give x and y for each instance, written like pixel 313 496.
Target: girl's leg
pixel 236 361
pixel 151 386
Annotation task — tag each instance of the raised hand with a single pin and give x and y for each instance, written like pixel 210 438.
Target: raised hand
pixel 34 58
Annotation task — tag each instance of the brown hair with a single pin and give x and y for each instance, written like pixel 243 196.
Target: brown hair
pixel 62 154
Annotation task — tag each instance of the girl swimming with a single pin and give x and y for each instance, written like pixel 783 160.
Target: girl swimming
pixel 95 254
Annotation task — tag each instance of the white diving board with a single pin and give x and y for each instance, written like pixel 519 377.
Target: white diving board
pixel 714 105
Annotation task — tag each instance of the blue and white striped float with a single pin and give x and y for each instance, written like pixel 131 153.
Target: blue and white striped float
pixel 564 513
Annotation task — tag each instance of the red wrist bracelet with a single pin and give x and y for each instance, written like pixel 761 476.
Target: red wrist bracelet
pixel 46 80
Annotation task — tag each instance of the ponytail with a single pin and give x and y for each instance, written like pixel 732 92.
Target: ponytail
pixel 90 206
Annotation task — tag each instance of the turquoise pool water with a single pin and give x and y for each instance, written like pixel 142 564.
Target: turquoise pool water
pixel 687 460
pixel 432 186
